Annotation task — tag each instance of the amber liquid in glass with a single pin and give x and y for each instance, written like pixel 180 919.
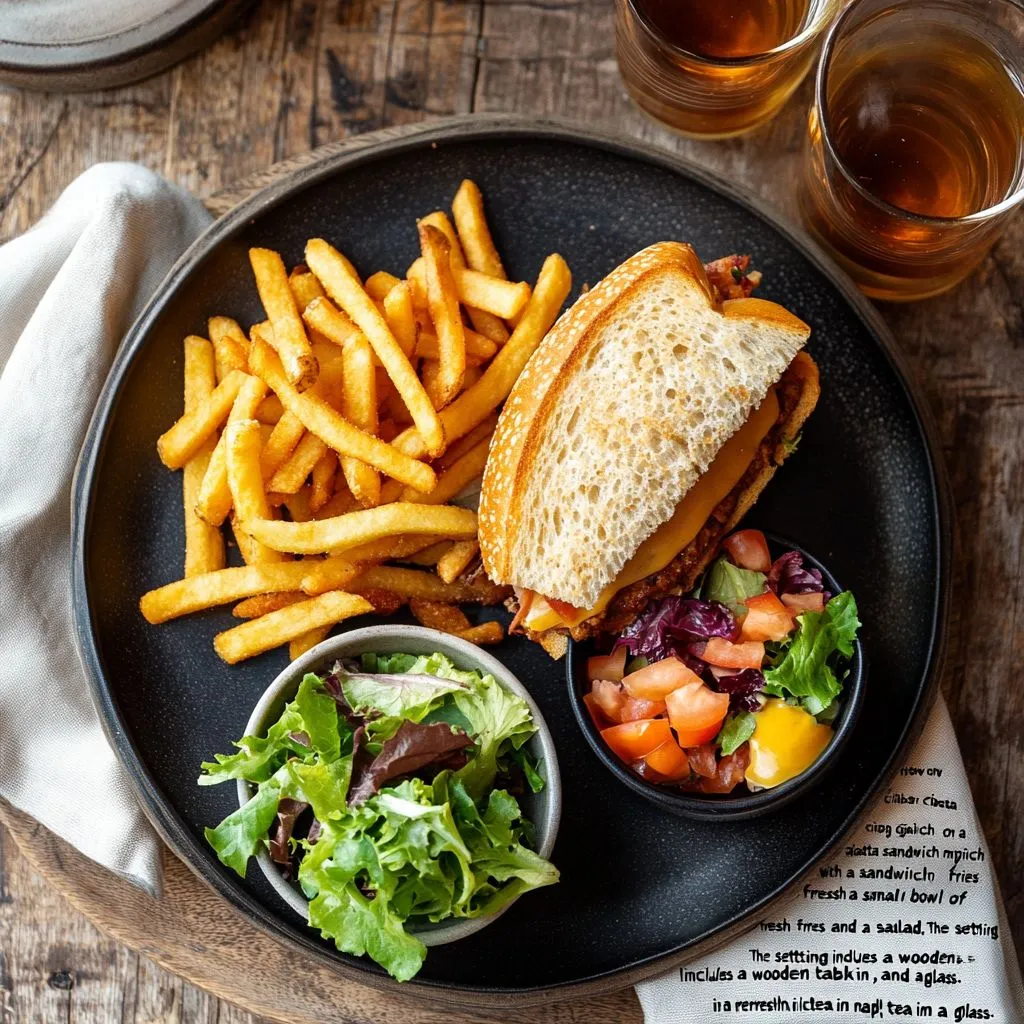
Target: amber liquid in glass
pixel 729 29
pixel 930 122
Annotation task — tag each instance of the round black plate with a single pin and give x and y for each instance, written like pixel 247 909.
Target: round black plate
pixel 640 889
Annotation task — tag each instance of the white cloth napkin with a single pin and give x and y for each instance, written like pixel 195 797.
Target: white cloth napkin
pixel 69 290
pixel 798 966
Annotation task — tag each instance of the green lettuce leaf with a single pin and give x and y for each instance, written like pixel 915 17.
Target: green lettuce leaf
pixel 807 670
pixel 239 835
pixel 737 730
pixel 730 585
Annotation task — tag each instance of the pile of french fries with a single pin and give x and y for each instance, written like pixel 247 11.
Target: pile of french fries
pixel 332 437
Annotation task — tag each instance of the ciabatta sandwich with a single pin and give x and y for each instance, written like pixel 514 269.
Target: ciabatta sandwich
pixel 644 426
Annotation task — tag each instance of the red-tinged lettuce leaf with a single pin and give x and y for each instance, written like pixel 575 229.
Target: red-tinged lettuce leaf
pixel 413 746
pixel 674 625
pixel 788 576
pixel 288 811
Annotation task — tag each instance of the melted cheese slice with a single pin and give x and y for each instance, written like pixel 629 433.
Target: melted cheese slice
pixel 692 512
pixel 786 741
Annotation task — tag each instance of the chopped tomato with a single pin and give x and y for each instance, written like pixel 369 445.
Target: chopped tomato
pixel 597 716
pixel 610 697
pixel 726 655
pixel 703 760
pixel 696 713
pixel 646 772
pixel 607 666
pixel 731 771
pixel 767 618
pixel 655 681
pixel 563 608
pixel 635 708
pixel 633 740
pixel 804 602
pixel 749 550
pixel 669 760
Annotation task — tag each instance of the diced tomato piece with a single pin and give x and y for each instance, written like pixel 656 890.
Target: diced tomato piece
pixel 608 666
pixel 804 602
pixel 646 772
pixel 696 713
pixel 669 760
pixel 655 681
pixel 730 773
pixel 703 760
pixel 636 708
pixel 610 697
pixel 749 550
pixel 597 716
pixel 726 655
pixel 563 608
pixel 633 740
pixel 767 618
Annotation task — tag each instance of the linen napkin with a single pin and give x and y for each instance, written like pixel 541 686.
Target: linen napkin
pixel 69 290
pixel 905 923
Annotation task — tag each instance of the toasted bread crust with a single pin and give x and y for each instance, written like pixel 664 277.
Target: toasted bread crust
pixel 798 390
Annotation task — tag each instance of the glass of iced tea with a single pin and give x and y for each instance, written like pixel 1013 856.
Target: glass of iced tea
pixel 915 151
pixel 716 69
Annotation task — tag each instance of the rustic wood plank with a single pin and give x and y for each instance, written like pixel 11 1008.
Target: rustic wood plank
pixel 301 73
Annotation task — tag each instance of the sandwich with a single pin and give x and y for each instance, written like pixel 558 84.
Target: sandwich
pixel 642 429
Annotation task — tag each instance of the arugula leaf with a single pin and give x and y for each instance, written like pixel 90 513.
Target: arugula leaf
pixel 730 585
pixel 238 836
pixel 736 731
pixel 806 671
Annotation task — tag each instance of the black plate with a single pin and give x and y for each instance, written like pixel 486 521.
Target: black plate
pixel 640 889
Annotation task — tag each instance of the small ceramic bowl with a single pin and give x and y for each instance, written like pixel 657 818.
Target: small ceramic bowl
pixel 741 803
pixel 544 809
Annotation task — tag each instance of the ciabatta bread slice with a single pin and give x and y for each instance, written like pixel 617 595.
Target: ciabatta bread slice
pixel 620 410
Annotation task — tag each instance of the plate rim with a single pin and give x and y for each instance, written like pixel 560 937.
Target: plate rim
pixel 391 142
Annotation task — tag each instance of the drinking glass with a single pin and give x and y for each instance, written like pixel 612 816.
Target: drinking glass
pixel 915 148
pixel 714 70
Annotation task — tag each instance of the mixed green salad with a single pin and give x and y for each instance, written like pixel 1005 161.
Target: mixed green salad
pixel 387 788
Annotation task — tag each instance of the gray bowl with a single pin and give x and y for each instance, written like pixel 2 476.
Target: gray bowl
pixel 544 809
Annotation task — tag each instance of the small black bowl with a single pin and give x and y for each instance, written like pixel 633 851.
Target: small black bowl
pixel 741 804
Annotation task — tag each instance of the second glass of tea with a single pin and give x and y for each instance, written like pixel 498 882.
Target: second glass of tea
pixel 915 151
pixel 713 70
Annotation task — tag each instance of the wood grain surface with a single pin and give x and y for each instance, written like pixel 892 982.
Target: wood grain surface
pixel 301 74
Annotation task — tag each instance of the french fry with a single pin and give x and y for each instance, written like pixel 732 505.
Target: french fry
pixel 401 317
pixel 359 406
pixel 287 433
pixel 505 299
pixel 430 555
pixel 454 479
pixel 484 429
pixel 289 334
pixel 449 618
pixel 204 545
pixel 298 505
pixel 473 373
pixel 222 586
pixel 177 445
pixel 333 573
pixel 430 374
pixel 484 635
pixel 270 410
pixel 323 480
pixel 333 429
pixel 478 348
pixel 343 286
pixel 490 326
pixel 380 284
pixel 276 628
pixel 308 640
pixel 296 468
pixel 389 548
pixel 305 287
pixel 323 316
pixel 263 604
pixel 243 443
pixel 340 503
pixel 230 345
pixel 213 502
pixel 384 602
pixel 356 528
pixel 390 491
pixel 474 234
pixel 443 303
pixel 479 401
pixel 248 547
pixel 453 563
pixel 417 583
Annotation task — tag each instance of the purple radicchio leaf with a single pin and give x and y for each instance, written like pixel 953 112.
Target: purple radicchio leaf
pixel 677 626
pixel 788 576
pixel 288 811
pixel 742 688
pixel 413 746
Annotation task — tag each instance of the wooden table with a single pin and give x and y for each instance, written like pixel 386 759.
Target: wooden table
pixel 300 74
